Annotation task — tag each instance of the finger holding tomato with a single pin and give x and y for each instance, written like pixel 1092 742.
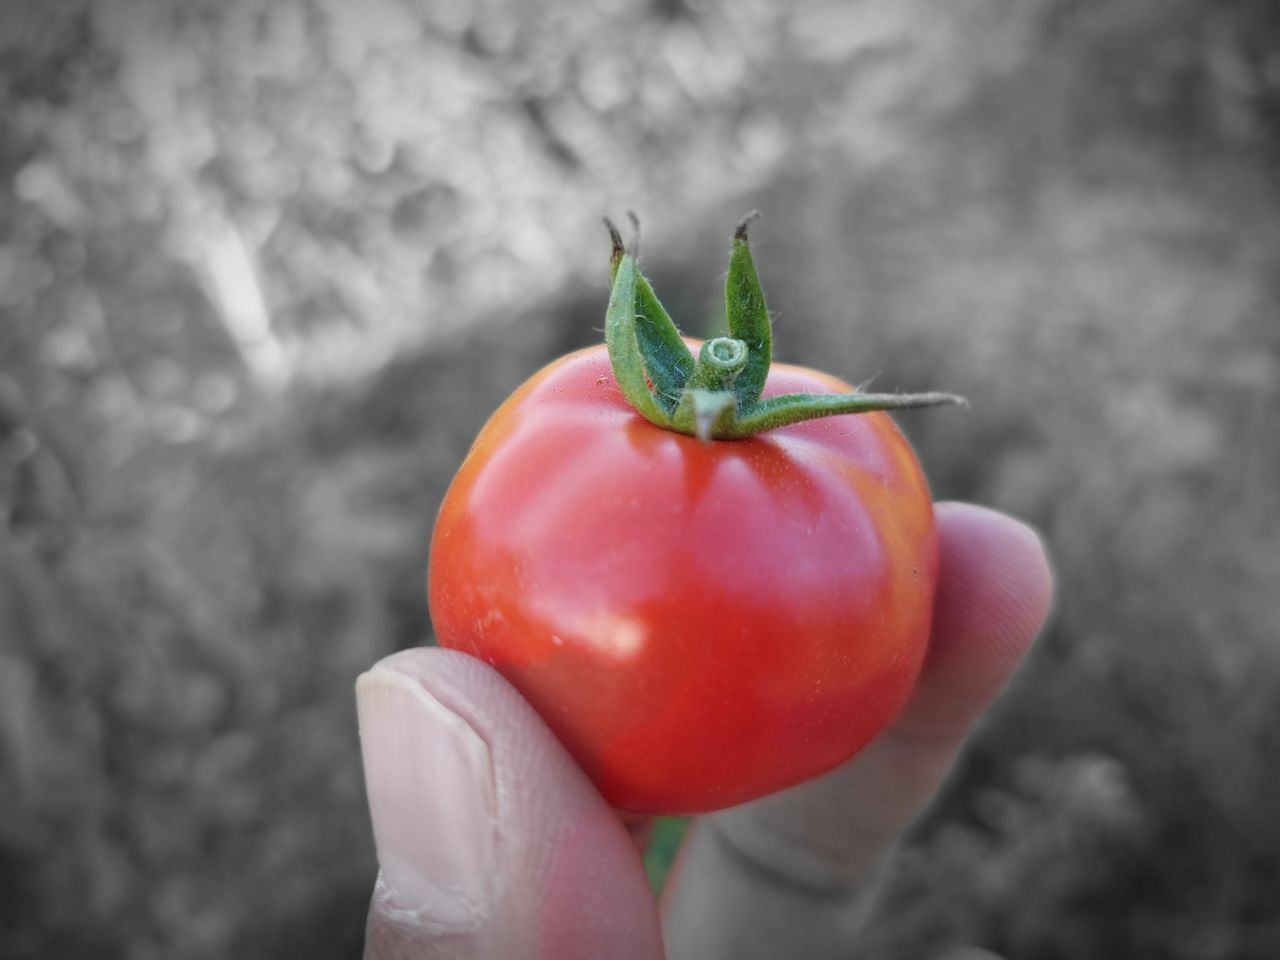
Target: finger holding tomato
pixel 494 843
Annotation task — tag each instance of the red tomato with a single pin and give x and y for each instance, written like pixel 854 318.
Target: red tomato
pixel 700 623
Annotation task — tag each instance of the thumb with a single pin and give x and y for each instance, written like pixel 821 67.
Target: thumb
pixel 491 841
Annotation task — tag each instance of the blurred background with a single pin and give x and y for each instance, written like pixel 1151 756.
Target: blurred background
pixel 266 267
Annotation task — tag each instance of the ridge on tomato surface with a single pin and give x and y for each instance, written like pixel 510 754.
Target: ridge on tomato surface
pixel 707 584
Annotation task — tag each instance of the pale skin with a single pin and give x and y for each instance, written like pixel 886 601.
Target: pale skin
pixel 493 844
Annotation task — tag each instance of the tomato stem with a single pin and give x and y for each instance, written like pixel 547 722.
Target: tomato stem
pixel 718 396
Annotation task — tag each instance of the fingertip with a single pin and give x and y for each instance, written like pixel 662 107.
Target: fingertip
pixel 490 838
pixel 994 592
pixel 436 846
pixel 785 867
pixel 998 535
pixel 995 584
pixel 441 670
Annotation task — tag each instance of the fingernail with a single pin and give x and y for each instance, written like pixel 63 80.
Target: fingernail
pixel 429 779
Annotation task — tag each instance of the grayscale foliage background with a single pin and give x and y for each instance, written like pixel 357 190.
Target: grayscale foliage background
pixel 265 268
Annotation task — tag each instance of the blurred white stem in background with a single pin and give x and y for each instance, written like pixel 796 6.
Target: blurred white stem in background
pixel 227 271
pixel 156 73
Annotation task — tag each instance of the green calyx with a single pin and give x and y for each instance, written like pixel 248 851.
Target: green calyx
pixel 718 395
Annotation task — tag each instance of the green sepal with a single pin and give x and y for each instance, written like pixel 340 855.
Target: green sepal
pixel 621 336
pixel 789 408
pixel 717 396
pixel 748 317
pixel 665 356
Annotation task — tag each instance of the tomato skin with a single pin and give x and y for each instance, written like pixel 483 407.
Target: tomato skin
pixel 700 623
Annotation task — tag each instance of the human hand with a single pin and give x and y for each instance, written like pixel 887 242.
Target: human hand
pixel 493 844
